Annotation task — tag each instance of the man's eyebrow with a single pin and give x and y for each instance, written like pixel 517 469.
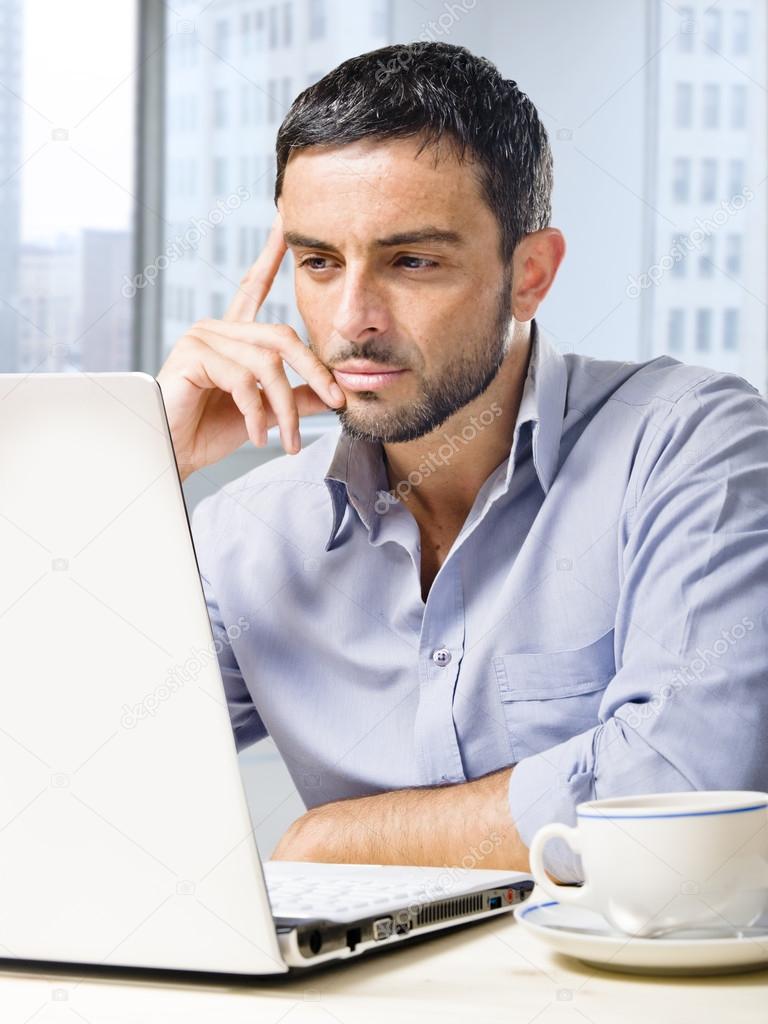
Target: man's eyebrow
pixel 429 235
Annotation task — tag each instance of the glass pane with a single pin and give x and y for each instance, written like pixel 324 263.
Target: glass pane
pixel 66 183
pixel 658 155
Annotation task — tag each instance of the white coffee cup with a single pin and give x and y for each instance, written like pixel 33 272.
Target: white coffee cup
pixel 666 861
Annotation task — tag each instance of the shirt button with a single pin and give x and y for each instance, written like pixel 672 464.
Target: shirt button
pixel 441 656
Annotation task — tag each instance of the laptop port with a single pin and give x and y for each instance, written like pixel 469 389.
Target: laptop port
pixel 315 941
pixel 354 935
pixel 382 928
pixel 494 902
pixel 402 927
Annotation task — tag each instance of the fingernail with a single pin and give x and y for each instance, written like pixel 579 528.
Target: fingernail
pixel 336 393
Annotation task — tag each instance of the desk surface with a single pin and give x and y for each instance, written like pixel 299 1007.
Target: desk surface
pixel 490 972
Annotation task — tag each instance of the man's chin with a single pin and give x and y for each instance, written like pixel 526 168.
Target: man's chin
pixel 396 425
pixel 367 423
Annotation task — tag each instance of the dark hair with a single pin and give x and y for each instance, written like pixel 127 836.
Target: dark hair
pixel 436 90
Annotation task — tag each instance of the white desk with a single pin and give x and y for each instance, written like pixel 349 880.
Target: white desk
pixel 492 972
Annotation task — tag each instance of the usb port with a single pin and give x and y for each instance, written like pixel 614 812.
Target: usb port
pixel 382 929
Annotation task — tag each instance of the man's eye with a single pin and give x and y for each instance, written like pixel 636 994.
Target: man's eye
pixel 417 262
pixel 312 261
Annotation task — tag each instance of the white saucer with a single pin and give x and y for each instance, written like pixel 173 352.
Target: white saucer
pixel 587 936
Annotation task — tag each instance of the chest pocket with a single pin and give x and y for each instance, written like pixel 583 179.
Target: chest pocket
pixel 552 696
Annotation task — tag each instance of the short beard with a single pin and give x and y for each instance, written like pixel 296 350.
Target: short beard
pixel 463 379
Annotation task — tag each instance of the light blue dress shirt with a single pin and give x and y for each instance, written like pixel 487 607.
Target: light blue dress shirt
pixel 601 621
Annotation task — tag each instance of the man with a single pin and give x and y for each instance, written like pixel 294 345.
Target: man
pixel 512 580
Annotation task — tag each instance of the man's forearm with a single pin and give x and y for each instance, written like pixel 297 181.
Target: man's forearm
pixel 468 825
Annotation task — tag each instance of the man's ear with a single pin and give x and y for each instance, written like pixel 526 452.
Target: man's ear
pixel 535 263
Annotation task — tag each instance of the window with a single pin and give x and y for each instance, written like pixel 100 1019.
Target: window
pixel 272 18
pixel 220 108
pixel 260 104
pixel 711 105
pixel 738 106
pixel 687 28
pixel 679 253
pixel 730 329
pixel 708 180
pixel 287 96
pixel 676 330
pixel 259 30
pixel 246 32
pixel 681 180
pixel 219 244
pixel 703 330
pixel 736 173
pixel 701 150
pixel 66 195
pixel 707 256
pixel 713 26
pixel 221 39
pixel 270 170
pixel 683 105
pixel 316 23
pixel 740 33
pixel 220 175
pixel 733 249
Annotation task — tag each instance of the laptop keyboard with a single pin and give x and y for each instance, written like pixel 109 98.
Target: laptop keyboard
pixel 347 891
pixel 304 896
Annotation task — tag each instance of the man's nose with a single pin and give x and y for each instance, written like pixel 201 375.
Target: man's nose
pixel 362 308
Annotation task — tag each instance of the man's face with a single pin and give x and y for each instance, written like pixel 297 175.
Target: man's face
pixel 399 281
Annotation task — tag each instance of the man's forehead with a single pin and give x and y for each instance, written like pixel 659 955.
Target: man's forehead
pixel 385 190
pixel 378 170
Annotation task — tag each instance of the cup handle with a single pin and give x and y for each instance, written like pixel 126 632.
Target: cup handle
pixel 575 895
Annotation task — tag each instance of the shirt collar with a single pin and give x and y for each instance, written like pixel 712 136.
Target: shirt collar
pixel 357 475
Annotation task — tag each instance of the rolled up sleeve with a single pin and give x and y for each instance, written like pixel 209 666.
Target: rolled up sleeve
pixel 688 705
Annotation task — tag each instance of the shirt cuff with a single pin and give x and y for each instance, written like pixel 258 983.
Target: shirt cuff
pixel 547 787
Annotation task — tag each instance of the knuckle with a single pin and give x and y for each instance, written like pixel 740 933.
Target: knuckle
pixel 190 344
pixel 284 332
pixel 267 356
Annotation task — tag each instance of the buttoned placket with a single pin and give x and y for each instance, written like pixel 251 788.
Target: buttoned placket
pixel 443 624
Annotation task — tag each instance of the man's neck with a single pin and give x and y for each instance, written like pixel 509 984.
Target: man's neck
pixel 439 475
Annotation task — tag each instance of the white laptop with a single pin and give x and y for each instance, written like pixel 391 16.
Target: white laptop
pixel 125 837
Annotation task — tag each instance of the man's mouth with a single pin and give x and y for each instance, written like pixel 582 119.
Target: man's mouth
pixel 364 375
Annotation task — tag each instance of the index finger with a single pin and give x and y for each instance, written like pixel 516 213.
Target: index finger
pixel 256 282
